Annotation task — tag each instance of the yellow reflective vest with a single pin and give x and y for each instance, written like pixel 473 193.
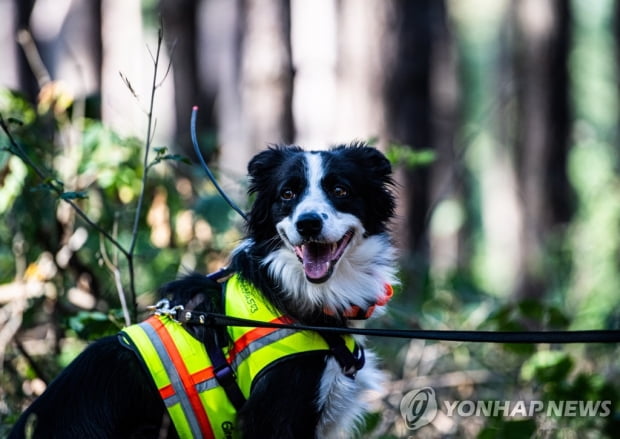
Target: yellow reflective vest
pixel 183 372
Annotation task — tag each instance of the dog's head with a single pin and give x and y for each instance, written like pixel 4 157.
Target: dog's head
pixel 323 216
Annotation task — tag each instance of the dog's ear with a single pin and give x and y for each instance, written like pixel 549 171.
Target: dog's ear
pixel 263 164
pixel 376 161
pixel 376 182
pixel 370 159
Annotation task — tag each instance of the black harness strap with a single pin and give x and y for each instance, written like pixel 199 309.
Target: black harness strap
pixel 224 374
pixel 351 362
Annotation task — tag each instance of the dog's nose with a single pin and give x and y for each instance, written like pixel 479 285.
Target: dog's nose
pixel 309 225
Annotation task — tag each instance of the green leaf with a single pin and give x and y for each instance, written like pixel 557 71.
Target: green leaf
pixel 74 195
pixel 178 158
pixel 170 157
pixel 14 121
pixel 547 366
pixel 409 157
pixel 91 325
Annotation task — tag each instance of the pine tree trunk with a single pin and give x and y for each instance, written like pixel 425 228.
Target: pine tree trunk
pixel 267 72
pixel 180 22
pixel 543 130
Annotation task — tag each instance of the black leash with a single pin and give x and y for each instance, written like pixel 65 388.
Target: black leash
pixel 593 336
pixel 210 175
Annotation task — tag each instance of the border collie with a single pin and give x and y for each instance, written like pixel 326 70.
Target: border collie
pixel 317 248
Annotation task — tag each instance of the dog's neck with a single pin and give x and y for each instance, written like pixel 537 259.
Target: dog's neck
pixel 358 283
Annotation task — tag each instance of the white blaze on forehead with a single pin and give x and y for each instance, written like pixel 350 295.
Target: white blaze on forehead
pixel 313 199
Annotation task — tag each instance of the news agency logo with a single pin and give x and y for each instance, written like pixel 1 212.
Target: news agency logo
pixel 419 407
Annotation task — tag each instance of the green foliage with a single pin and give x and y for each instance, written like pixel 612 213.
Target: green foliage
pixel 62 204
pixel 92 325
pixel 404 155
pixel 517 429
pixel 161 154
pixel 547 366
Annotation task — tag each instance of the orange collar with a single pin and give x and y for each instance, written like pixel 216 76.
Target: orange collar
pixel 357 313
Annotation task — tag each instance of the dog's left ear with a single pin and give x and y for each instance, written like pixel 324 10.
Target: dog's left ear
pixel 372 159
pixel 376 183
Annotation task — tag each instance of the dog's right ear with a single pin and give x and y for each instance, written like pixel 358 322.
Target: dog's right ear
pixel 263 165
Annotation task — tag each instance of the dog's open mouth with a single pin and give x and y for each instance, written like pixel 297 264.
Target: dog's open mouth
pixel 319 258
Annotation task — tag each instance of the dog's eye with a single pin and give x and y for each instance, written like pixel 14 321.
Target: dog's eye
pixel 340 192
pixel 287 194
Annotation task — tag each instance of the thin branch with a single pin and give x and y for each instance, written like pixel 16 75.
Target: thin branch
pixel 149 136
pixel 153 131
pixel 38 371
pixel 127 83
pixel 25 40
pixel 113 267
pixel 153 58
pixel 145 167
pixel 171 49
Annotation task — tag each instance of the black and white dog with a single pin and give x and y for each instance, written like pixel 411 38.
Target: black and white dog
pixel 318 250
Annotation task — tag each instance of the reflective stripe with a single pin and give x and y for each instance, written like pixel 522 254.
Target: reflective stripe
pixel 180 378
pixel 241 352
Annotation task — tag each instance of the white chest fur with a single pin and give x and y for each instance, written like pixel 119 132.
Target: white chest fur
pixel 342 400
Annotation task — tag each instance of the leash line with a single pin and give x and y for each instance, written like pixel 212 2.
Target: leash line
pixel 522 337
pixel 230 202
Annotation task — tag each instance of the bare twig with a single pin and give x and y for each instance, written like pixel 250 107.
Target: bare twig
pixel 147 147
pixel 113 267
pixel 127 83
pixel 171 50
pixel 31 361
pixel 11 316
pixel 25 40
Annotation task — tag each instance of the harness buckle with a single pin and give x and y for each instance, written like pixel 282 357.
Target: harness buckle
pixel 162 308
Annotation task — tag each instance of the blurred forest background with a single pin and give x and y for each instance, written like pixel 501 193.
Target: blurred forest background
pixel 500 117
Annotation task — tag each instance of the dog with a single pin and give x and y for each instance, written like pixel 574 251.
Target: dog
pixel 317 251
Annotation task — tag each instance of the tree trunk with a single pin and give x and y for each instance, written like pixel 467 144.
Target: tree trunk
pixel 180 22
pixel 27 80
pixel 359 70
pixel 543 130
pixel 408 51
pixel 123 53
pixel 445 215
pixel 267 73
pixel 220 48
pixel 314 41
pixel 9 74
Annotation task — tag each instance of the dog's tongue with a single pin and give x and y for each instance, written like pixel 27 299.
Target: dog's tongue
pixel 316 259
